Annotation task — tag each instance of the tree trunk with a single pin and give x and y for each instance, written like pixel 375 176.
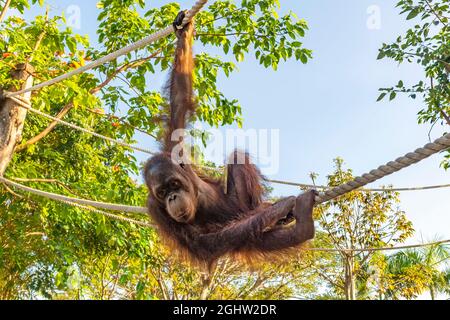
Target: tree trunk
pixel 12 117
pixel 432 293
pixel 350 293
pixel 205 289
pixel 207 278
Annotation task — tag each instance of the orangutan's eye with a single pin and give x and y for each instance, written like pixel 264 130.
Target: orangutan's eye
pixel 174 184
pixel 161 193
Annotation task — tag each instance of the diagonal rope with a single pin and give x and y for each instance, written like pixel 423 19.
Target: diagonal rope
pixel 114 55
pixel 58 197
pixel 26 105
pixel 22 102
pixel 427 150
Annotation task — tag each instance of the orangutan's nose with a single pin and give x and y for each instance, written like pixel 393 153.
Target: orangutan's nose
pixel 172 197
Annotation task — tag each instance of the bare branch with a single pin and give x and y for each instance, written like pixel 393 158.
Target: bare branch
pixel 131 65
pixel 11 191
pixel 47 130
pixel 327 278
pixel 125 123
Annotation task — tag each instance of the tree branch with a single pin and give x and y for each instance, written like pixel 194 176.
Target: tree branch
pixel 11 191
pixel 159 281
pixel 236 34
pixel 69 106
pixel 327 278
pixel 5 8
pixel 132 64
pixel 102 277
pixel 443 114
pixel 422 56
pixel 47 130
pixel 435 13
pixel 224 16
pixel 29 234
pixel 38 40
pixel 125 123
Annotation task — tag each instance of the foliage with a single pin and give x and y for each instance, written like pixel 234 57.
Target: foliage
pixel 51 250
pixel 427 44
pixel 356 220
pixel 409 273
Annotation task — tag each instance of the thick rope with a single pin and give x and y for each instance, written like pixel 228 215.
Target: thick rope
pixel 114 55
pixel 58 197
pixel 88 205
pixel 110 215
pixel 104 213
pixel 27 106
pixel 438 145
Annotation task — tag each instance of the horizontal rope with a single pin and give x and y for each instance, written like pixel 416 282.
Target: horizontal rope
pixel 312 186
pixel 26 104
pixel 114 55
pixel 109 215
pixel 427 150
pixel 80 203
pixel 378 249
pixel 104 213
pixel 58 197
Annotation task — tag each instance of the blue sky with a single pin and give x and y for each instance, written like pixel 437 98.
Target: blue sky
pixel 328 107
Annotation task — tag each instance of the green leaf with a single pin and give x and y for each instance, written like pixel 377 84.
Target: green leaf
pixel 381 55
pixel 303 58
pixel 71 44
pixel 381 96
pixel 413 13
pixel 392 95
